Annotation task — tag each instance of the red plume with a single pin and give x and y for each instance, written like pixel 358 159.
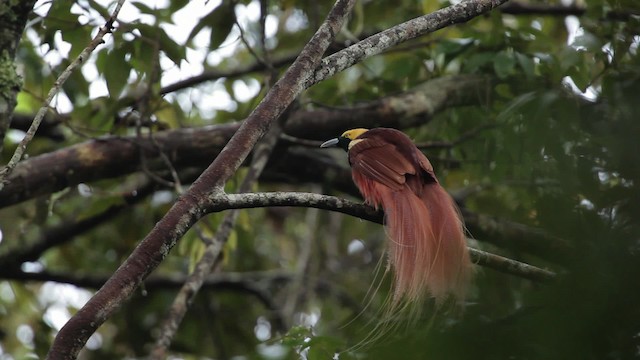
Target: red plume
pixel 427 248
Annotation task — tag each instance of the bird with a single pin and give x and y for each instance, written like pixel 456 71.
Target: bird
pixel 426 247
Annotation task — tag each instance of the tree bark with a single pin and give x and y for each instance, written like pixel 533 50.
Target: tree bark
pixel 13 18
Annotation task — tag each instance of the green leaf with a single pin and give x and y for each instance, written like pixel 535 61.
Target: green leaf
pixel 220 20
pixel 79 38
pixel 453 48
pixel 173 50
pixel 477 61
pixel 116 71
pixel 144 8
pixel 104 12
pixel 142 59
pixel 100 205
pixel 176 5
pixel 503 64
pixel 61 18
pixel 581 78
pixel 527 65
pixel 222 26
pixel 570 57
pixel 588 41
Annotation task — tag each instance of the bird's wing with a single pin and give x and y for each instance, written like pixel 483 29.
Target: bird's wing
pixel 380 161
pixel 425 164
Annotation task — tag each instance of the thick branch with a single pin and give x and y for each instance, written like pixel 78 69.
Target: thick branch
pixel 416 106
pixel 511 235
pixel 108 158
pixel 116 156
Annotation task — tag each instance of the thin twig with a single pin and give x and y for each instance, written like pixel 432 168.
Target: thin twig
pixel 66 231
pixel 264 8
pixel 461 139
pixel 298 141
pixel 249 48
pixel 510 266
pixel 541 9
pixel 254 283
pixel 22 146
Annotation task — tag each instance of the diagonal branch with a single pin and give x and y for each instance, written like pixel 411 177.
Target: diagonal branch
pixel 375 44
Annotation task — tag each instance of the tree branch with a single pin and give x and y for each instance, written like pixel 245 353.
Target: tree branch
pixel 375 44
pixel 214 74
pixel 326 202
pixel 67 230
pixel 116 156
pixel 512 235
pixel 528 8
pixel 416 106
pixel 252 283
pixel 331 203
pixel 111 157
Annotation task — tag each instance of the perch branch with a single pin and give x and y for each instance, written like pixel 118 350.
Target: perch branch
pixel 326 202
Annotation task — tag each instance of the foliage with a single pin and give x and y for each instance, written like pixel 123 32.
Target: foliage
pixel 553 146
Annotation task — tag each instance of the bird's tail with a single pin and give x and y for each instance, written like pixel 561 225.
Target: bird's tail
pixel 427 247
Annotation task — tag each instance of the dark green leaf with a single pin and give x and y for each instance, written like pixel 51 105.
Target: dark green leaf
pixel 220 20
pixel 477 61
pixel 79 38
pixel 144 8
pixel 503 64
pixel 116 71
pixel 172 49
pixel 527 65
